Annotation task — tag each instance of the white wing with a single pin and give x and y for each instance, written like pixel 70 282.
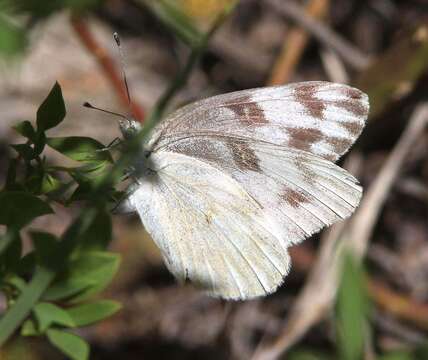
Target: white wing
pixel 240 177
pixel 210 231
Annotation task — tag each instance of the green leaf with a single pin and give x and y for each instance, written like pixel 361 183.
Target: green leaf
pixel 29 328
pixel 25 150
pixel 352 311
pixel 19 208
pixel 12 38
pixel 71 345
pixel 87 314
pixel 50 184
pixel 46 246
pixel 25 128
pixel 67 288
pixel 80 148
pixel 17 282
pixel 99 267
pixel 52 110
pixel 99 233
pixel 48 314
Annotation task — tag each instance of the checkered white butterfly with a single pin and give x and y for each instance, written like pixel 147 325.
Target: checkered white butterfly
pixel 225 185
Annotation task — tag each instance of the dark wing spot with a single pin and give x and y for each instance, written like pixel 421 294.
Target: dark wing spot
pixel 356 108
pixel 293 198
pixel 339 144
pixel 243 155
pixel 305 95
pixel 354 128
pixel 303 138
pixel 247 111
pixel 353 102
pixel 354 93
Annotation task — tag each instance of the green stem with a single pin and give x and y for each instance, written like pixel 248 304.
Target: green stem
pixel 28 298
pixel 43 276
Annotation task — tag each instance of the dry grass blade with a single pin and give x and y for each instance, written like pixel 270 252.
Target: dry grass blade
pixel 353 56
pixel 294 45
pixel 319 292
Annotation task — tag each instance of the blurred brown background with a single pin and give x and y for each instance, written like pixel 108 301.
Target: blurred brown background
pixel 380 46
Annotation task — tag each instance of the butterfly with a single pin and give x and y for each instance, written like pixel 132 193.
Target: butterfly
pixel 227 184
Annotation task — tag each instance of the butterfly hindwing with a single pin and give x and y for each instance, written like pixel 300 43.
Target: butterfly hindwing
pixel 209 229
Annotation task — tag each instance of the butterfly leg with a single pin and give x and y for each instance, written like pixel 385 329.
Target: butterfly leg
pixel 113 144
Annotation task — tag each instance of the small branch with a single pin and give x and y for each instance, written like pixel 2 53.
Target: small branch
pixel 107 64
pixel 334 66
pixel 353 234
pixel 294 45
pixel 353 56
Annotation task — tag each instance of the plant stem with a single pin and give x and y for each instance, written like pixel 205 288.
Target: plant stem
pixel 43 276
pixel 28 298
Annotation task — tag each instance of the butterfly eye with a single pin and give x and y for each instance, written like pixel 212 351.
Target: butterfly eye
pixel 147 153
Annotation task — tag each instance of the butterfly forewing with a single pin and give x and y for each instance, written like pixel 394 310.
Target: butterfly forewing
pixel 318 117
pixel 238 178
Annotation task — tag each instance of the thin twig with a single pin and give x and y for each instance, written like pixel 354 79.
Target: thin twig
pixel 353 56
pixel 107 64
pixel 334 66
pixel 294 45
pixel 320 289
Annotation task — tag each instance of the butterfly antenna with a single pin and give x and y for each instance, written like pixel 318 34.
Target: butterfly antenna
pixel 90 106
pixel 122 61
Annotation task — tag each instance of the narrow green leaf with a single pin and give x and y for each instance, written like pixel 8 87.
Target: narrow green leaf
pixel 52 110
pixel 67 288
pixel 25 128
pixel 48 314
pixel 71 345
pixel 16 281
pixel 80 148
pixel 43 277
pixel 19 311
pixel 87 314
pixel 19 208
pixel 352 311
pixel 29 328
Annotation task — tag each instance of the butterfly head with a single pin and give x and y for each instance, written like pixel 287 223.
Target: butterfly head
pixel 129 127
